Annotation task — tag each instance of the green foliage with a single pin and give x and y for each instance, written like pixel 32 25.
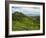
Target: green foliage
pixel 22 22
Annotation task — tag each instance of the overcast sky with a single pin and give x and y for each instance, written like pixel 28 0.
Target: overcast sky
pixel 26 10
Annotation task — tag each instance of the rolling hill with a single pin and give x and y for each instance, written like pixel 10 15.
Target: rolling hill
pixel 21 22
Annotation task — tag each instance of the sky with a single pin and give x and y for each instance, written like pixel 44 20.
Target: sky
pixel 26 10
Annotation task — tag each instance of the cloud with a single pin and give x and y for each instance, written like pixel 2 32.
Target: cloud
pixel 25 10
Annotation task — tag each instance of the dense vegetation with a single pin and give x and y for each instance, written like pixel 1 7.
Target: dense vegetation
pixel 22 22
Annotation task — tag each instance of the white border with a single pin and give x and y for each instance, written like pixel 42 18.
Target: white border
pixel 25 32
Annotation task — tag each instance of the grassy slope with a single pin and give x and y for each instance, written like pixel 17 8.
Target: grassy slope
pixel 25 24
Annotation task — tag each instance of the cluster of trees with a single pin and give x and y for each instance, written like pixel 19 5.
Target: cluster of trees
pixel 17 16
pixel 36 19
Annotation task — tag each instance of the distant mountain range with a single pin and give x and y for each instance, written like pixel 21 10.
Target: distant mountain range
pixel 32 14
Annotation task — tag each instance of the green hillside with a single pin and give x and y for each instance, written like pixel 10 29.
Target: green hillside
pixel 22 22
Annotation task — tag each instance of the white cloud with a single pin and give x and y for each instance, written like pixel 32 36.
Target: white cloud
pixel 26 10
